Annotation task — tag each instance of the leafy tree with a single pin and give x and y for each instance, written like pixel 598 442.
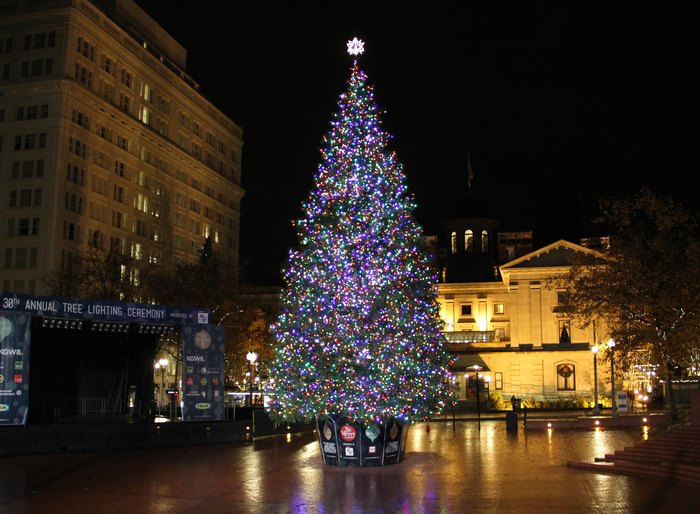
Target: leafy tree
pixel 647 290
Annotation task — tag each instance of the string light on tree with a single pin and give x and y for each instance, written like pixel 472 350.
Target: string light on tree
pixel 359 332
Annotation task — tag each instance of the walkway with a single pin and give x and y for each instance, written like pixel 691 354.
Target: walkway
pixel 444 471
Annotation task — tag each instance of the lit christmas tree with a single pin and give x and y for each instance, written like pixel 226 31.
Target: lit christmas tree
pixel 359 333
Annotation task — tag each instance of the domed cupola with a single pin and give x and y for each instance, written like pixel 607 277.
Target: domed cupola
pixel 471 241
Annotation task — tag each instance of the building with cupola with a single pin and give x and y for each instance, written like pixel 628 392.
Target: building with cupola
pixel 502 316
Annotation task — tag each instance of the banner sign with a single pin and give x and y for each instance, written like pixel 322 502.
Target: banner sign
pixel 327 429
pixel 15 331
pixel 349 443
pixel 203 373
pixel 78 308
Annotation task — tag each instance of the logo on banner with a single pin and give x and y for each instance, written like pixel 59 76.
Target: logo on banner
pixel 347 433
pixel 202 406
pixel 4 407
pixel 6 327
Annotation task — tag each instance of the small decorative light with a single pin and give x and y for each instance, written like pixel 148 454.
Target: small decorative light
pixel 597 422
pixel 644 420
pixel 549 425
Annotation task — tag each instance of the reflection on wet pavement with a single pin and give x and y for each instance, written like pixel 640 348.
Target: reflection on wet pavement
pixel 444 470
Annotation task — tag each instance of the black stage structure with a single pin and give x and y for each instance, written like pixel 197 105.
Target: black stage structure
pixel 63 357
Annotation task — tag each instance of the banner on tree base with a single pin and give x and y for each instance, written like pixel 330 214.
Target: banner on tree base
pixel 348 443
pixel 15 333
pixel 203 373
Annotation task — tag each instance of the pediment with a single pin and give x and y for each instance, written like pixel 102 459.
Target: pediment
pixel 559 254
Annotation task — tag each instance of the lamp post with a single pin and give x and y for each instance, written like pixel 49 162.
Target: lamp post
pixel 251 357
pixel 160 365
pixel 478 400
pixel 611 347
pixel 596 409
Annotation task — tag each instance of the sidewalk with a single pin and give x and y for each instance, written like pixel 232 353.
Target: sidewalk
pixel 452 468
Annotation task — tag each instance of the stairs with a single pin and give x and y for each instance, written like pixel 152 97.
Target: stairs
pixel 672 456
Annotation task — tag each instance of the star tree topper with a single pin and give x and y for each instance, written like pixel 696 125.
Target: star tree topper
pixel 356 46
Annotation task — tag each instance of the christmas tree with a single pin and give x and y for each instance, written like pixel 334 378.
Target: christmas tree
pixel 359 334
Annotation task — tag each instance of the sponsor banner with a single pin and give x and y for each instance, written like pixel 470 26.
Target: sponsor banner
pixel 203 372
pixel 15 332
pixel 59 307
pixel 395 434
pixel 327 430
pixel 348 442
pixel 372 444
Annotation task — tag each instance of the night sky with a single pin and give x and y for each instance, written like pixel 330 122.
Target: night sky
pixel 557 105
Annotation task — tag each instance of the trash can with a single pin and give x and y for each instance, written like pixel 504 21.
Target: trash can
pixel 511 421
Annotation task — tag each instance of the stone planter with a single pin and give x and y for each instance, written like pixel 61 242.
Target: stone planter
pixel 349 443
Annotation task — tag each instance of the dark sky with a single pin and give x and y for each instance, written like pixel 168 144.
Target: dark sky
pixel 557 104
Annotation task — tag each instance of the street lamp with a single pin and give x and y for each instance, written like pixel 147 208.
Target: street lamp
pixel 596 409
pixel 161 365
pixel 251 357
pixel 611 347
pixel 476 368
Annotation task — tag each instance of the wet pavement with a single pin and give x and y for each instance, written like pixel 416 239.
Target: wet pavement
pixel 445 470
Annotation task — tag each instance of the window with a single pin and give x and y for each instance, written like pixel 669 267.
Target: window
pixel 484 241
pixel 70 231
pixel 86 49
pixel 146 92
pixel 75 146
pixel 468 240
pixel 25 198
pixel 123 142
pixel 144 115
pixel 78 117
pixel 21 258
pixel 119 193
pixel 139 227
pixel 498 380
pixel 141 202
pixel 83 75
pixel 562 297
pixel 107 64
pixel 564 331
pixel 453 242
pixel 499 308
pixel 566 377
pixel 124 102
pixel 126 78
pixel 96 239
pixel 136 251
pixel 466 310
pixel 118 219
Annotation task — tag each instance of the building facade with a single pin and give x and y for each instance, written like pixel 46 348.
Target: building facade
pixel 513 334
pixel 105 141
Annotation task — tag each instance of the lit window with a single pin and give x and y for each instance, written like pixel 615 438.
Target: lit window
pixel 453 242
pixel 484 241
pixel 499 308
pixel 468 241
